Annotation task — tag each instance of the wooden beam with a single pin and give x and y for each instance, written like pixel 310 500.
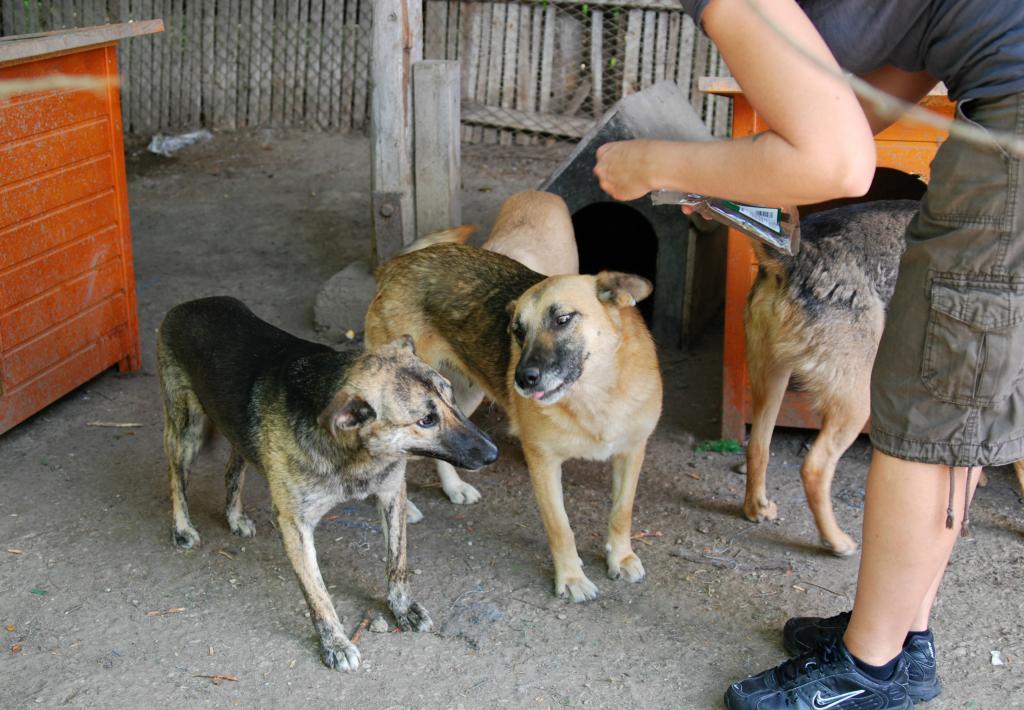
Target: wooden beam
pixel 396 45
pixel 438 181
pixel 597 60
pixel 13 49
pixel 549 123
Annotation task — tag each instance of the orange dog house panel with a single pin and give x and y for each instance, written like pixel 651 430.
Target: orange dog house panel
pixel 67 287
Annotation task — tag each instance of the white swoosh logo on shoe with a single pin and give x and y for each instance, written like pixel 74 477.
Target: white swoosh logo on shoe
pixel 821 702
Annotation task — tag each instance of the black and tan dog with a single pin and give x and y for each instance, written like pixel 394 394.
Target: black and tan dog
pixel 322 426
pixel 568 357
pixel 817 317
pixel 535 229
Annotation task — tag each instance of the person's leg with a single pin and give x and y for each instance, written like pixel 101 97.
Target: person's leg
pixel 922 619
pixel 944 385
pixel 906 545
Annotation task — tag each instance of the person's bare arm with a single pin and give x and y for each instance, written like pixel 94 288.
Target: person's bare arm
pixel 909 86
pixel 819 146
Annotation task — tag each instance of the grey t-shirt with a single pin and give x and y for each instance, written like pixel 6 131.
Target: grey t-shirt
pixel 975 46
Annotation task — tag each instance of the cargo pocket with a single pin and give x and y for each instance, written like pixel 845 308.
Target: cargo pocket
pixel 970 183
pixel 974 348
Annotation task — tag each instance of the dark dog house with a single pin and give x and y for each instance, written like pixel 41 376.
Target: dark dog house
pixel 638 237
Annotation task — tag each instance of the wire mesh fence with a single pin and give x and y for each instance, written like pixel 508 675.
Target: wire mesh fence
pixel 552 67
pixel 227 64
pixel 529 68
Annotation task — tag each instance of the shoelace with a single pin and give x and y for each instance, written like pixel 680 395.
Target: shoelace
pixel 811 663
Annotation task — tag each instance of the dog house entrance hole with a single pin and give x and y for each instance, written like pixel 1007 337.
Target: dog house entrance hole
pixel 615 237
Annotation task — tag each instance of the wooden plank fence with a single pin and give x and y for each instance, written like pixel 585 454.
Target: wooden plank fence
pixel 552 67
pixel 529 68
pixel 227 64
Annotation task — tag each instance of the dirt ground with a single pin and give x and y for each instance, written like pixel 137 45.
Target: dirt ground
pixel 99 610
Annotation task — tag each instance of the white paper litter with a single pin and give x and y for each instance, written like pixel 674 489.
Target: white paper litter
pixel 997 658
pixel 169 145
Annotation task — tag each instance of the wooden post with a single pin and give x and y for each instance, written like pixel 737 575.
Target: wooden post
pixel 438 183
pixel 597 61
pixel 397 44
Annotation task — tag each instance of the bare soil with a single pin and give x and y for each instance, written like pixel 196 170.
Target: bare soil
pixel 99 610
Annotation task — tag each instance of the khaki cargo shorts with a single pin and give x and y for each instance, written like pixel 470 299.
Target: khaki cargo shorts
pixel 948 381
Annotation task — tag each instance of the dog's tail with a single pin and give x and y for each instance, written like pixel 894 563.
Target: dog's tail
pixel 455 235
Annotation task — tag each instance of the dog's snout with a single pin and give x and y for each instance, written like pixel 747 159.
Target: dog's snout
pixel 475 448
pixel 527 376
pixel 488 452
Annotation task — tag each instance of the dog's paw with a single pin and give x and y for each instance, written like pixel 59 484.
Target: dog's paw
pixel 462 493
pixel 576 587
pixel 842 546
pixel 415 618
pixel 759 511
pixel 629 568
pixel 340 654
pixel 412 513
pixel 242 525
pixel 185 538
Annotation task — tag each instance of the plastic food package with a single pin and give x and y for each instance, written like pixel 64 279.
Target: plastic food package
pixel 776 227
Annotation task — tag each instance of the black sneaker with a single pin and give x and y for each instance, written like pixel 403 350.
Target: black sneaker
pixel 825 678
pixel 803 633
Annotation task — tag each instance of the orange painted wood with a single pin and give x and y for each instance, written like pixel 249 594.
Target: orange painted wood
pixel 54 150
pixel 39 275
pixel 52 190
pixel 63 340
pixel 23 401
pixel 24 116
pixel 32 237
pixel 904 146
pixel 60 304
pixel 67 285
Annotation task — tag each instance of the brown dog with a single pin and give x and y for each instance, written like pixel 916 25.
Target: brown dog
pixel 535 229
pixel 568 357
pixel 818 316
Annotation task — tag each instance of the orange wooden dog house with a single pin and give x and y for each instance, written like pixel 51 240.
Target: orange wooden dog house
pixel 67 286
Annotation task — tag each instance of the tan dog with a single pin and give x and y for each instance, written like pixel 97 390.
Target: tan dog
pixel 818 316
pixel 568 357
pixel 535 229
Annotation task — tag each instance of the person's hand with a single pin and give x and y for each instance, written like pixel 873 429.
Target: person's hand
pixel 623 169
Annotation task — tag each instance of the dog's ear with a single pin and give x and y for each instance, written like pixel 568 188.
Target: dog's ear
pixel 621 289
pixel 405 342
pixel 346 411
pixel 510 310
